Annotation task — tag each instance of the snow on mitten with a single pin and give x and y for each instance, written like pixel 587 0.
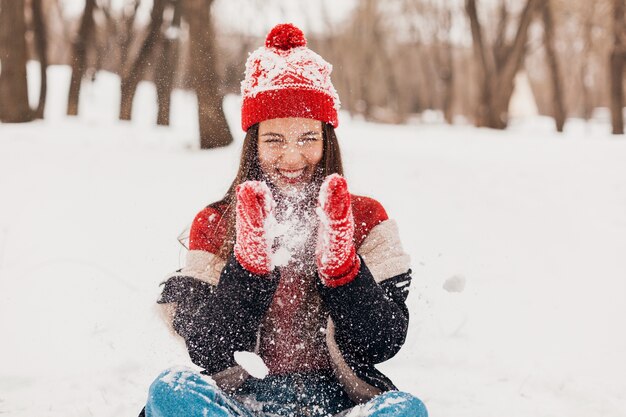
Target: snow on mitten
pixel 336 258
pixel 254 204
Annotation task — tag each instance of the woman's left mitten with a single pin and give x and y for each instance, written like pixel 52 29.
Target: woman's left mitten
pixel 337 262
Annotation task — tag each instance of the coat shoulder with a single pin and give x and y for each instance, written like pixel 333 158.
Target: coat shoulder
pixel 208 229
pixel 368 213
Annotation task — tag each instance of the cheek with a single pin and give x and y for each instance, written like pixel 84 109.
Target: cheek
pixel 266 158
pixel 314 155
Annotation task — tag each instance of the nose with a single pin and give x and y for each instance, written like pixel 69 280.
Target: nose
pixel 292 155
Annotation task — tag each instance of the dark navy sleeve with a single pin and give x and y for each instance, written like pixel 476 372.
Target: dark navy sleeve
pixel 216 321
pixel 371 319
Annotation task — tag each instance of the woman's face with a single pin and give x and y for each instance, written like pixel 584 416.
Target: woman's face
pixel 289 150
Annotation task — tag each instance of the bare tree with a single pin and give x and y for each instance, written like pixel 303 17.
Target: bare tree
pixel 120 29
pixel 133 74
pixel 444 61
pixel 417 58
pixel 366 20
pixel 498 65
pixel 41 46
pixel 79 56
pixel 214 130
pixel 425 56
pixel 14 107
pixel 558 106
pixel 617 68
pixel 582 44
pixel 59 32
pixel 383 57
pixel 339 56
pixel 585 58
pixel 166 65
pixel 363 49
pixel 126 32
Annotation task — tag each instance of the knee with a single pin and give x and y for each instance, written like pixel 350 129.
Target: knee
pixel 175 382
pixel 417 407
pixel 164 385
pixel 182 391
pixel 400 404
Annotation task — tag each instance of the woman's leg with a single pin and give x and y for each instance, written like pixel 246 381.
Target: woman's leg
pixel 391 404
pixel 183 392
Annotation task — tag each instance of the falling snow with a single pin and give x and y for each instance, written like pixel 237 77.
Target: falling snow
pixel 532 220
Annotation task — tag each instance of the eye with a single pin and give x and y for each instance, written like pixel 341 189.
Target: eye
pixel 308 139
pixel 273 140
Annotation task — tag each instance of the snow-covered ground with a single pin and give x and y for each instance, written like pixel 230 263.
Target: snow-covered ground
pixel 518 242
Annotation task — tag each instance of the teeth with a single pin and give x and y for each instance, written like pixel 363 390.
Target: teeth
pixel 292 174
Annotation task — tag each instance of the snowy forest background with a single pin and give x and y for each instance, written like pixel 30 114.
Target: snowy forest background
pixel 395 61
pixel 491 130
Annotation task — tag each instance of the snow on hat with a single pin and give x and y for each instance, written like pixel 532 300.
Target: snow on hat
pixel 284 78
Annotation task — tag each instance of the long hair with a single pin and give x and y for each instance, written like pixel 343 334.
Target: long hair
pixel 250 170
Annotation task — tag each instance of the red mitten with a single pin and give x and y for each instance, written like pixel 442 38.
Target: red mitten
pixel 337 262
pixel 254 205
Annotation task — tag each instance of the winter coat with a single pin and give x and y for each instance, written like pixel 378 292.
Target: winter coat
pixel 217 306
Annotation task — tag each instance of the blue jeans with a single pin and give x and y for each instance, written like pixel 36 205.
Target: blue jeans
pixel 182 392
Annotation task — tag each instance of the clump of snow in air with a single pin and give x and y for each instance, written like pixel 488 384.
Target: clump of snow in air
pixel 455 283
pixel 252 363
pixel 291 229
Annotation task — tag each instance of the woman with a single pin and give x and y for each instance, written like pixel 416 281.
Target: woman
pixel 288 265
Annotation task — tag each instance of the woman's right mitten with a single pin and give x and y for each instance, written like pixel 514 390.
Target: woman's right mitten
pixel 254 204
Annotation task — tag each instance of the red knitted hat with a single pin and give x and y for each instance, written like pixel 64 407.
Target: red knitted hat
pixel 284 78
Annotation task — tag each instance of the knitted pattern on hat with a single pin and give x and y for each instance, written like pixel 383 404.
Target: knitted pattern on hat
pixel 284 78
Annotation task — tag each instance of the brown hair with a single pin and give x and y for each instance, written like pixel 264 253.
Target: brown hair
pixel 250 170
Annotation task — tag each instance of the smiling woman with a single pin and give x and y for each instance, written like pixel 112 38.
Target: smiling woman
pixel 288 265
pixel 289 150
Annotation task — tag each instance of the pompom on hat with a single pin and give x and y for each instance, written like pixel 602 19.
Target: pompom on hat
pixel 284 78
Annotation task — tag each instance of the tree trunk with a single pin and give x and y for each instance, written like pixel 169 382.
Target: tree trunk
pixel 558 107
pixel 119 30
pixel 444 67
pixel 79 57
pixel 444 59
pixel 133 75
pixel 587 105
pixel 164 77
pixel 617 68
pixel 446 75
pixel 617 95
pixel 367 79
pixel 41 45
pixel 499 46
pixel 496 79
pixel 485 66
pixel 127 32
pixel 14 107
pixel 514 59
pixel 214 130
pixel 389 80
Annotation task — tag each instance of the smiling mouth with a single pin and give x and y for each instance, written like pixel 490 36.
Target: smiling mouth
pixel 291 176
